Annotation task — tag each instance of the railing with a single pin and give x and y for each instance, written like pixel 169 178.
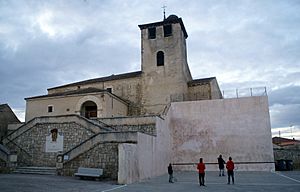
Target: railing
pixel 111 137
pixel 87 123
pixel 245 92
pixel 225 94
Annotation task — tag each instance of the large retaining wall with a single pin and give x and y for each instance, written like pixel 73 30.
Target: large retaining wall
pixel 239 128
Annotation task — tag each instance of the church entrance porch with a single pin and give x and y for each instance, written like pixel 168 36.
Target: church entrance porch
pixel 88 109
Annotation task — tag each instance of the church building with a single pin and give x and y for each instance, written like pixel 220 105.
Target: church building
pixel 164 77
pixel 132 125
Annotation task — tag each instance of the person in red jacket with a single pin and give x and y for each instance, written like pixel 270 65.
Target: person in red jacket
pixel 201 168
pixel 230 167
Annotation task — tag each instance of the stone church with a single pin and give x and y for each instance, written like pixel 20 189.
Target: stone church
pixel 165 76
pixel 132 125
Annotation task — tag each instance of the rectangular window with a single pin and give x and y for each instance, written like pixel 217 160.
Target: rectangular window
pixel 109 89
pixel 167 30
pixel 152 33
pixel 50 108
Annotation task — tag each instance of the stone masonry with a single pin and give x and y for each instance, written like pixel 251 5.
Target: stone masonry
pixel 31 145
pixel 104 155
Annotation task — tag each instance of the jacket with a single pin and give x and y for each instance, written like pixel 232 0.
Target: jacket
pixel 201 167
pixel 230 165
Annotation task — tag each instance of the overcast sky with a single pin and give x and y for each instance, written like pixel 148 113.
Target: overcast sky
pixel 244 43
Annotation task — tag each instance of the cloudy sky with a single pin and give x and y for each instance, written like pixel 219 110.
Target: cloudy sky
pixel 244 43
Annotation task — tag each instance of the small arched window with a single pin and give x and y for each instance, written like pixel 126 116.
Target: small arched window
pixel 160 58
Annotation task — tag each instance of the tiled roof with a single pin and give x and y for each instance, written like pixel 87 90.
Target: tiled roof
pixel 102 79
pixel 200 81
pixel 67 93
pixel 283 140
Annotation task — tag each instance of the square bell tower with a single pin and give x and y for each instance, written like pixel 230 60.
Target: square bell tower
pixel 164 62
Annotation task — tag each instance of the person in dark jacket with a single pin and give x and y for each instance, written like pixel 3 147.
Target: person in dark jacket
pixel 230 167
pixel 170 171
pixel 221 163
pixel 201 170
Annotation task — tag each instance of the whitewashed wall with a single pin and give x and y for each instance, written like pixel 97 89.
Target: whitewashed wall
pixel 239 128
pixel 128 164
pixel 148 158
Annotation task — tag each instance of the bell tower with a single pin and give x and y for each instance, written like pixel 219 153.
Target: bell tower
pixel 164 62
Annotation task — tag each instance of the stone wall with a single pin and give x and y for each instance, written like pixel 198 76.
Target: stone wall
pixel 289 154
pixel 128 89
pixel 7 116
pixel 103 155
pixel 198 92
pixel 31 145
pixel 148 129
pixel 144 124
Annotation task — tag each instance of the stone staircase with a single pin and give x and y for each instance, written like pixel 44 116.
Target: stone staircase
pixel 4 153
pixel 36 170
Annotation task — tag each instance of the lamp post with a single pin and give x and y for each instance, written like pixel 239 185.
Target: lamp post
pixel 291 126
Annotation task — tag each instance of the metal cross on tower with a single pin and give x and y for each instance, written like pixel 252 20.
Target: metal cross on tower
pixel 164 7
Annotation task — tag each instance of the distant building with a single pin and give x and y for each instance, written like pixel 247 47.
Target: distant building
pixel 287 151
pixel 283 142
pixel 7 116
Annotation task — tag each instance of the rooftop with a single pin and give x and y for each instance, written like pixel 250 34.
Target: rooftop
pixel 102 79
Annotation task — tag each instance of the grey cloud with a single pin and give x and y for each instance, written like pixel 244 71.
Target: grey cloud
pixel 285 115
pixel 244 44
pixel 285 96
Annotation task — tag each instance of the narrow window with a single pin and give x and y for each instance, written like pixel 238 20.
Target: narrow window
pixel 50 109
pixel 160 58
pixel 167 30
pixel 109 89
pixel 152 33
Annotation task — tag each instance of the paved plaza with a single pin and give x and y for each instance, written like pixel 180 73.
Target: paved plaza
pixel 186 181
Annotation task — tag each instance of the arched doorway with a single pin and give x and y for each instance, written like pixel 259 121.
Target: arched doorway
pixel 88 109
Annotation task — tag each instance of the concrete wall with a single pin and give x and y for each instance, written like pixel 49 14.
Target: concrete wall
pixel 128 163
pixel 148 158
pixel 239 128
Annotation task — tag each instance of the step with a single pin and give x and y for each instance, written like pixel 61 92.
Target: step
pixel 36 170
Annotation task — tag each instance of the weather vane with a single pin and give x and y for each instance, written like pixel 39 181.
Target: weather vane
pixel 164 8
